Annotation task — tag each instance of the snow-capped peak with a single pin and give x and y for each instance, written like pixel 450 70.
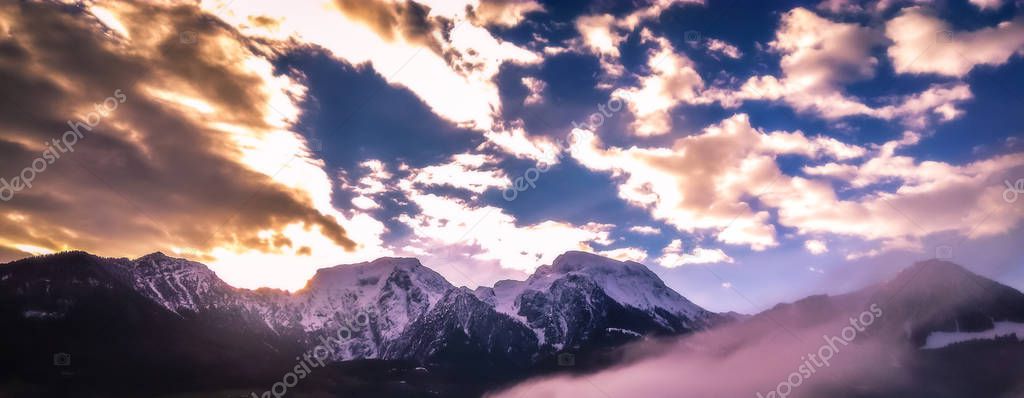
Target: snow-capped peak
pixel 589 263
pixel 576 288
pixel 627 282
pixel 178 284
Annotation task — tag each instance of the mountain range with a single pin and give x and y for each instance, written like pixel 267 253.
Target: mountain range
pixel 390 309
pixel 75 323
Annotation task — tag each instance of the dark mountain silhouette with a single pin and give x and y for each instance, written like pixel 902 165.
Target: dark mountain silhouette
pixel 159 324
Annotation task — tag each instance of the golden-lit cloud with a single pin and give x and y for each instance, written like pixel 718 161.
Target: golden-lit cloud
pixel 700 183
pixel 434 49
pixel 506 13
pixel 197 159
pixel 726 181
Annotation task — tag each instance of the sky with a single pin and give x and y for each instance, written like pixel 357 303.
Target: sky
pixel 748 152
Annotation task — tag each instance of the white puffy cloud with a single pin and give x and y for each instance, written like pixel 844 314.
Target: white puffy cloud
pixel 599 33
pixel 673 256
pixel 506 13
pixel 931 197
pixel 673 79
pixel 715 182
pixel 536 87
pixel 987 4
pixel 489 234
pixel 479 244
pixel 816 246
pixel 516 142
pixel 703 181
pixel 634 254
pixel 644 230
pixel 465 171
pixel 602 34
pixel 820 57
pixel 923 43
pixel 717 46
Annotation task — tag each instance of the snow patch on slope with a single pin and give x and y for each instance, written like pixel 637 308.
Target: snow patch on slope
pixel 943 339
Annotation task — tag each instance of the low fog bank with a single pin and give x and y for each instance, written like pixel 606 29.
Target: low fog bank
pixel 742 360
pixel 863 344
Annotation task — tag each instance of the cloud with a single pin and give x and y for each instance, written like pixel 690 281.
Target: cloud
pixel 474 236
pixel 840 7
pixel 673 79
pixel 10 254
pixel 599 34
pixel 923 43
pixel 815 246
pixel 536 87
pixel 515 141
pixel 704 364
pixel 704 181
pixel 506 13
pixel 602 34
pixel 930 197
pixel 727 181
pixel 200 160
pixel 463 172
pixel 644 230
pixel 724 48
pixel 449 65
pixel 987 5
pixel 634 254
pixel 471 243
pixel 673 256
pixel 147 169
pixel 820 57
pixel 407 20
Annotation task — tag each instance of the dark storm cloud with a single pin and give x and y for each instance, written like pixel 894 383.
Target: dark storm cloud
pixel 149 175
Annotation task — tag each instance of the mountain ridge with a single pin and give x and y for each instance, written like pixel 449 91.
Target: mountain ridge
pixel 572 303
pixel 396 313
